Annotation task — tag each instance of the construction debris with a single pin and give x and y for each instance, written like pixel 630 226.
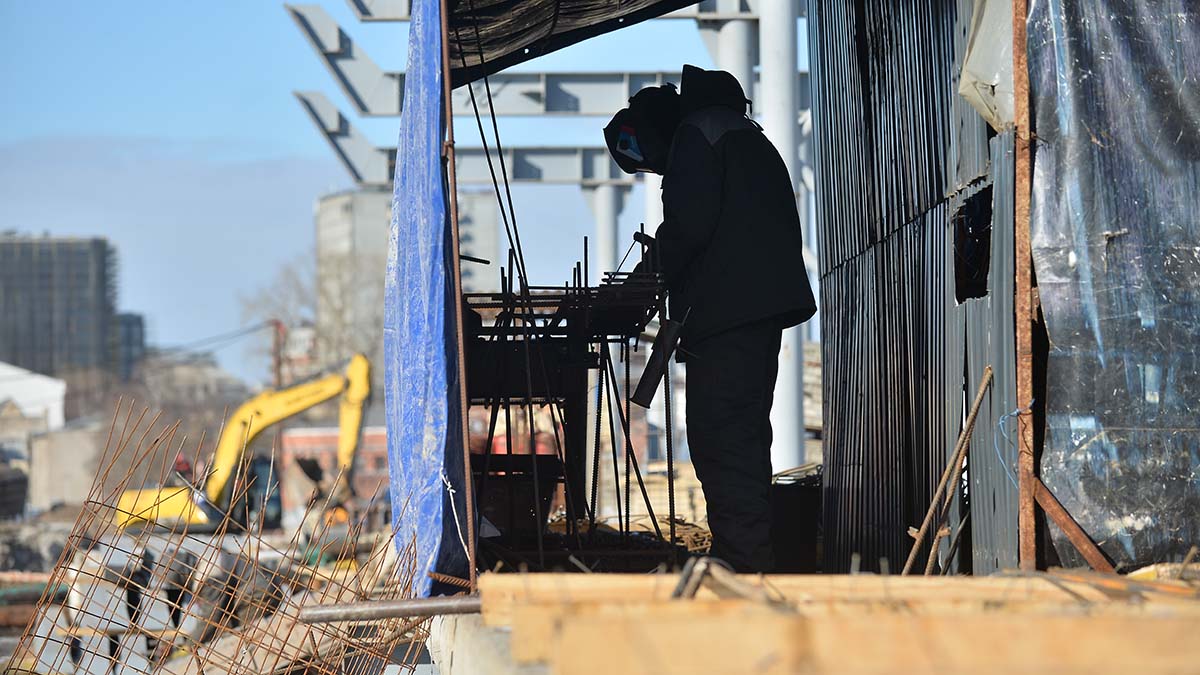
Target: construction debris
pixel 166 599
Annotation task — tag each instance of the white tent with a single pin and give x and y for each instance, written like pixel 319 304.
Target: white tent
pixel 36 395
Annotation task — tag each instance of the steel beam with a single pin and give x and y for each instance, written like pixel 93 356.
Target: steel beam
pixel 375 92
pixel 367 86
pixel 549 165
pixel 565 94
pixel 398 10
pixel 373 166
pixel 367 164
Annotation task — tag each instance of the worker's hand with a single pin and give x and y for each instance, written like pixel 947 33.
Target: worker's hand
pixel 650 255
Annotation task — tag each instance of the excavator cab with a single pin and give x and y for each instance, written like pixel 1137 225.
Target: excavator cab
pixel 261 507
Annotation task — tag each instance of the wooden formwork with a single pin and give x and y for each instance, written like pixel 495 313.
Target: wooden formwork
pixel 1028 623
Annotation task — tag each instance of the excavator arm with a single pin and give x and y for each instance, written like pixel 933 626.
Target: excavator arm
pixel 350 419
pixel 272 407
pixel 248 421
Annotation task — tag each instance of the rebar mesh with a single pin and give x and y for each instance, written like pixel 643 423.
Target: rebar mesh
pixel 165 598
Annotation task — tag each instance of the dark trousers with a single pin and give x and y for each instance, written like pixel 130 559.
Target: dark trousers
pixel 730 386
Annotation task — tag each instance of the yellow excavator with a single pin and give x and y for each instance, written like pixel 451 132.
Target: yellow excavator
pixel 205 506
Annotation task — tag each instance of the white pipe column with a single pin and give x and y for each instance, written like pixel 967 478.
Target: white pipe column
pixel 778 103
pixel 735 45
pixel 606 206
pixel 652 184
pixel 606 201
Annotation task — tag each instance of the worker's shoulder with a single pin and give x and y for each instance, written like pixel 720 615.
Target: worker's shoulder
pixel 714 122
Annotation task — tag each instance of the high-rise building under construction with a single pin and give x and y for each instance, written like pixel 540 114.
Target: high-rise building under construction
pixel 57 303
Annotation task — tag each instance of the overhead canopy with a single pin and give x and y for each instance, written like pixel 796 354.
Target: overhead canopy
pixel 486 36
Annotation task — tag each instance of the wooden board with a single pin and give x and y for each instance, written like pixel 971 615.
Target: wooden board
pixel 1058 624
pixel 753 639
pixel 502 592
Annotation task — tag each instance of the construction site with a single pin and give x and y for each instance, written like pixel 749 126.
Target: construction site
pixel 889 370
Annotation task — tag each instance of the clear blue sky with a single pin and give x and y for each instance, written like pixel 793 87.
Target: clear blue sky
pixel 170 128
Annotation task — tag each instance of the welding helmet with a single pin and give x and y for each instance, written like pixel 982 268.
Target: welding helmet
pixel 639 137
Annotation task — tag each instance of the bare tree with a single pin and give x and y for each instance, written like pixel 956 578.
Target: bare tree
pixel 338 295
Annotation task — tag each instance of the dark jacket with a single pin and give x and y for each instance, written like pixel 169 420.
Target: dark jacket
pixel 730 246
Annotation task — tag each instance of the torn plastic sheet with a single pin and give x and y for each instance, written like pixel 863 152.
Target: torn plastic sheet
pixel 1116 245
pixel 987 77
pixel 424 430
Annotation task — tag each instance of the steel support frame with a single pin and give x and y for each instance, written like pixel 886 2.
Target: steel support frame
pixel 398 10
pixel 456 265
pixel 1031 491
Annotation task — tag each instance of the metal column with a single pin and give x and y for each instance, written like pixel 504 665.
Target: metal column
pixel 778 103
pixel 606 202
pixel 652 184
pixel 735 45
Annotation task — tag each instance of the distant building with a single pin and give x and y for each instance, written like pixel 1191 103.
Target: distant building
pixel 479 237
pixel 300 354
pixel 352 242
pixel 351 237
pixel 131 343
pixel 57 299
pixel 63 463
pixel 190 378
pixel 320 443
pixel 15 429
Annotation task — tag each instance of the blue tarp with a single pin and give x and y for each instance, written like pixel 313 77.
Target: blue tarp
pixel 424 429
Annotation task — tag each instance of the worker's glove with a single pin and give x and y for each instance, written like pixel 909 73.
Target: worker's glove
pixel 650 259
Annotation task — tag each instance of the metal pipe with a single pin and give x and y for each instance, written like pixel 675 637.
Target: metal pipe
pixel 456 271
pixel 606 206
pixel 391 609
pixel 735 44
pixel 777 57
pixel 652 184
pixel 954 467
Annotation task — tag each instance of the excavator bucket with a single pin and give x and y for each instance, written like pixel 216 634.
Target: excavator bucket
pixel 311 468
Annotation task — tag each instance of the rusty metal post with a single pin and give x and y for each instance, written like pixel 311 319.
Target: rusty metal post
pixel 456 264
pixel 1025 308
pixel 1075 534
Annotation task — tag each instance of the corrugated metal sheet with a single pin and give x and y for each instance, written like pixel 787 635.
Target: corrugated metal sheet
pixel 990 339
pixel 898 152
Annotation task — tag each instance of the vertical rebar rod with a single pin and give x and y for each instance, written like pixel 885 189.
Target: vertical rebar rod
pixel 456 265
pixel 1026 310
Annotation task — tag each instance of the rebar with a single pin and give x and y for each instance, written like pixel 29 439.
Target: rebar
pixel 392 609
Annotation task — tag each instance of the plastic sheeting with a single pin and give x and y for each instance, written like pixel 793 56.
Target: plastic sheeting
pixel 987 75
pixel 1116 238
pixel 424 430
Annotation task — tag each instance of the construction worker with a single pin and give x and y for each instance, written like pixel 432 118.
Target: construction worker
pixel 181 472
pixel 730 252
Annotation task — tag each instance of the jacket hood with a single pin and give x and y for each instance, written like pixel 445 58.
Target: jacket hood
pixel 704 88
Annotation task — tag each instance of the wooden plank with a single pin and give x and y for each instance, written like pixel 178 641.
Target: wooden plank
pixel 16 616
pixel 502 593
pixel 1075 534
pixel 756 640
pixel 537 628
pixel 719 637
